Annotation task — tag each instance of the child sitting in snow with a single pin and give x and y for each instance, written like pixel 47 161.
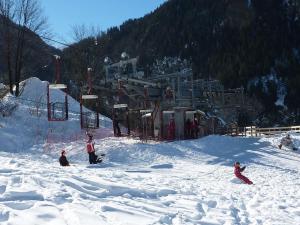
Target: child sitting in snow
pixel 287 142
pixel 63 159
pixel 238 173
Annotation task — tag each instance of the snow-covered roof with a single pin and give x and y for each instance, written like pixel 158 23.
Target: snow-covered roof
pixel 89 96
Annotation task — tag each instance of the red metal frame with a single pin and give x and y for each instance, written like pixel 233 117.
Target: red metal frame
pixel 81 103
pixel 57 76
pixel 127 122
pixel 151 134
pixel 81 117
pixel 50 118
pixel 162 125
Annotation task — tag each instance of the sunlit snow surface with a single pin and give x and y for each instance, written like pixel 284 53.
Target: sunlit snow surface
pixel 184 182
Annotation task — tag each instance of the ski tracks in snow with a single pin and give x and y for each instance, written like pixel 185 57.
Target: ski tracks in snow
pixel 34 189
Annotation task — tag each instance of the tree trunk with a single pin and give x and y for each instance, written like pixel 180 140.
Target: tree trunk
pixel 7 49
pixel 8 58
pixel 19 60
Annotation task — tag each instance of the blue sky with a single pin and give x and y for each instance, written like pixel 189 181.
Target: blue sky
pixel 63 14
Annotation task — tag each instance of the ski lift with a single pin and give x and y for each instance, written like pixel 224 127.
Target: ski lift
pixel 89 119
pixel 120 119
pixel 57 110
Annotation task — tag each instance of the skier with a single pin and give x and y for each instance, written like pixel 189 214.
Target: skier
pixel 287 142
pixel 238 173
pixel 63 159
pixel 90 147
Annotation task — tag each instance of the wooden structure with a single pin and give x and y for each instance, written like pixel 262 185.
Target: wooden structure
pixel 147 128
pixel 257 131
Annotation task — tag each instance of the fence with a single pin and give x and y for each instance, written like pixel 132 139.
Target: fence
pixel 254 131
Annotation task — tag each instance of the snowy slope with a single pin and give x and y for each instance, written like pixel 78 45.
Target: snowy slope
pixel 178 183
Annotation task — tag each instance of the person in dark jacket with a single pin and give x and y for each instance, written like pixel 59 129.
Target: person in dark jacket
pixel 238 173
pixel 188 128
pixel 195 128
pixel 117 130
pixel 63 159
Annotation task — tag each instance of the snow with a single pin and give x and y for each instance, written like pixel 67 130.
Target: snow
pixel 168 183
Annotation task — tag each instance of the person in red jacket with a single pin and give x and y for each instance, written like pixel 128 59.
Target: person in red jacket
pixel 90 148
pixel 171 129
pixel 238 173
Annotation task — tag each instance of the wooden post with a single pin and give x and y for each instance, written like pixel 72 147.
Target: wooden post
pixel 48 103
pixel 81 119
pixel 67 106
pixel 127 120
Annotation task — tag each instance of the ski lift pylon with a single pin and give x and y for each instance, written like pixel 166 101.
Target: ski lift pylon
pixel 120 117
pixel 58 110
pixel 89 119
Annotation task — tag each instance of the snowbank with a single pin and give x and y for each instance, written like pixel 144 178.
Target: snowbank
pixel 28 126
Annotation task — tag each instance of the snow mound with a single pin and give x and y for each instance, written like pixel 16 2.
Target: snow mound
pixel 28 128
pixel 36 90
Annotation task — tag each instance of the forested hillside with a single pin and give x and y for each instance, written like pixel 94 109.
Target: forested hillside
pixel 253 44
pixel 249 43
pixel 37 59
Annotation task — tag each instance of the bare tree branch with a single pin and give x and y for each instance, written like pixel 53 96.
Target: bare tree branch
pixel 20 18
pixel 80 32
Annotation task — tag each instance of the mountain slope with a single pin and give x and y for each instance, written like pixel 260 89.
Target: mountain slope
pixel 38 55
pixel 235 41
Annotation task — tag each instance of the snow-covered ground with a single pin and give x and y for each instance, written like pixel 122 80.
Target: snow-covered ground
pixel 178 183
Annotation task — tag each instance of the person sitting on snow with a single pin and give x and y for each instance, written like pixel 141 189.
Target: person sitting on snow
pixel 238 173
pixel 90 147
pixel 63 159
pixel 287 142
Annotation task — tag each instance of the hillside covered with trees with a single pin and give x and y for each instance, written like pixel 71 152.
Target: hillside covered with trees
pixel 249 43
pixel 253 44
